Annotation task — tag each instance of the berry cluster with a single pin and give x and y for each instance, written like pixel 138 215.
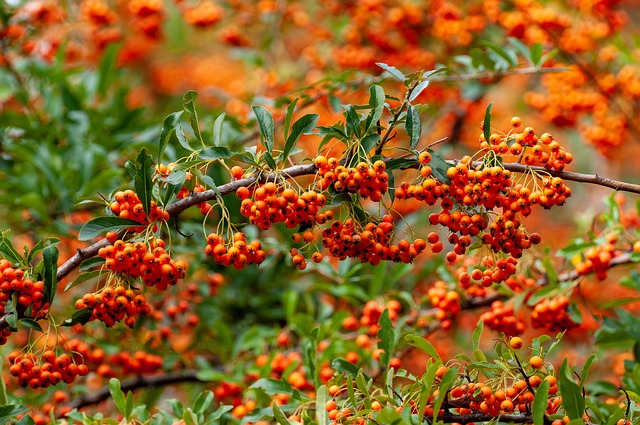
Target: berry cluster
pixel 151 263
pixel 140 363
pixel 553 315
pixel 271 203
pixel 30 294
pixel 112 305
pixel 239 254
pixel 373 244
pixel 126 204
pixel 545 150
pixel 368 181
pixel 46 370
pixel 447 303
pixel 501 318
pixel 597 260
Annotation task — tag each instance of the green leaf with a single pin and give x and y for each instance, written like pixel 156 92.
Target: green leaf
pixel 9 252
pixel 11 315
pixel 26 420
pixel 342 365
pixel 369 142
pixel 31 324
pixel 540 403
pixel 95 227
pixel 107 70
pixel 217 129
pixel 267 126
pixel 288 117
pixel 511 59
pixel 79 317
pixel 304 125
pixel 50 261
pixel 188 104
pixel 445 386
pixel 91 262
pixel 571 392
pixel 477 334
pixel 270 161
pixel 392 70
pixel 376 102
pixel 575 248
pixel 439 166
pixel 353 121
pixel 536 54
pixel 552 275
pixel 143 182
pixel 202 402
pixel 279 415
pixel 413 126
pixel 172 124
pixel 83 277
pixel 128 410
pixel 424 345
pixel 486 126
pixel 385 335
pixel 587 365
pixel 321 400
pixel 272 386
pixel 117 395
pixel 216 152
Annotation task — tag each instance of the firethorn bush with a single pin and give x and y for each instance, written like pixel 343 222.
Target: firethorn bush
pixel 356 212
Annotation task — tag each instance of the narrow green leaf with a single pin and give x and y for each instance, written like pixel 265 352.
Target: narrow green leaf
pixel 418 89
pixel 279 415
pixel 424 345
pixel 386 338
pixel 11 315
pixel 288 117
pixel 202 402
pixel 304 125
pixel 83 277
pixel 587 365
pixel 486 125
pixel 342 365
pixel 79 317
pixel 216 152
pixel 217 129
pixel 361 382
pixel 572 400
pixel 392 70
pixel 540 403
pixel 272 386
pixel 91 262
pixel 353 121
pixel 31 324
pixel 37 248
pixel 143 182
pixel 351 392
pixel 270 161
pixel 128 410
pixel 266 124
pixel 376 102
pixel 439 166
pixel 413 126
pixel 117 395
pixel 50 261
pixel 9 252
pixel 98 225
pixel 107 68
pixel 369 142
pixel 26 420
pixel 552 275
pixel 500 51
pixel 172 124
pixel 477 334
pixel 188 104
pixel 207 180
pixel 445 386
pixel 536 54
pixel 321 400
